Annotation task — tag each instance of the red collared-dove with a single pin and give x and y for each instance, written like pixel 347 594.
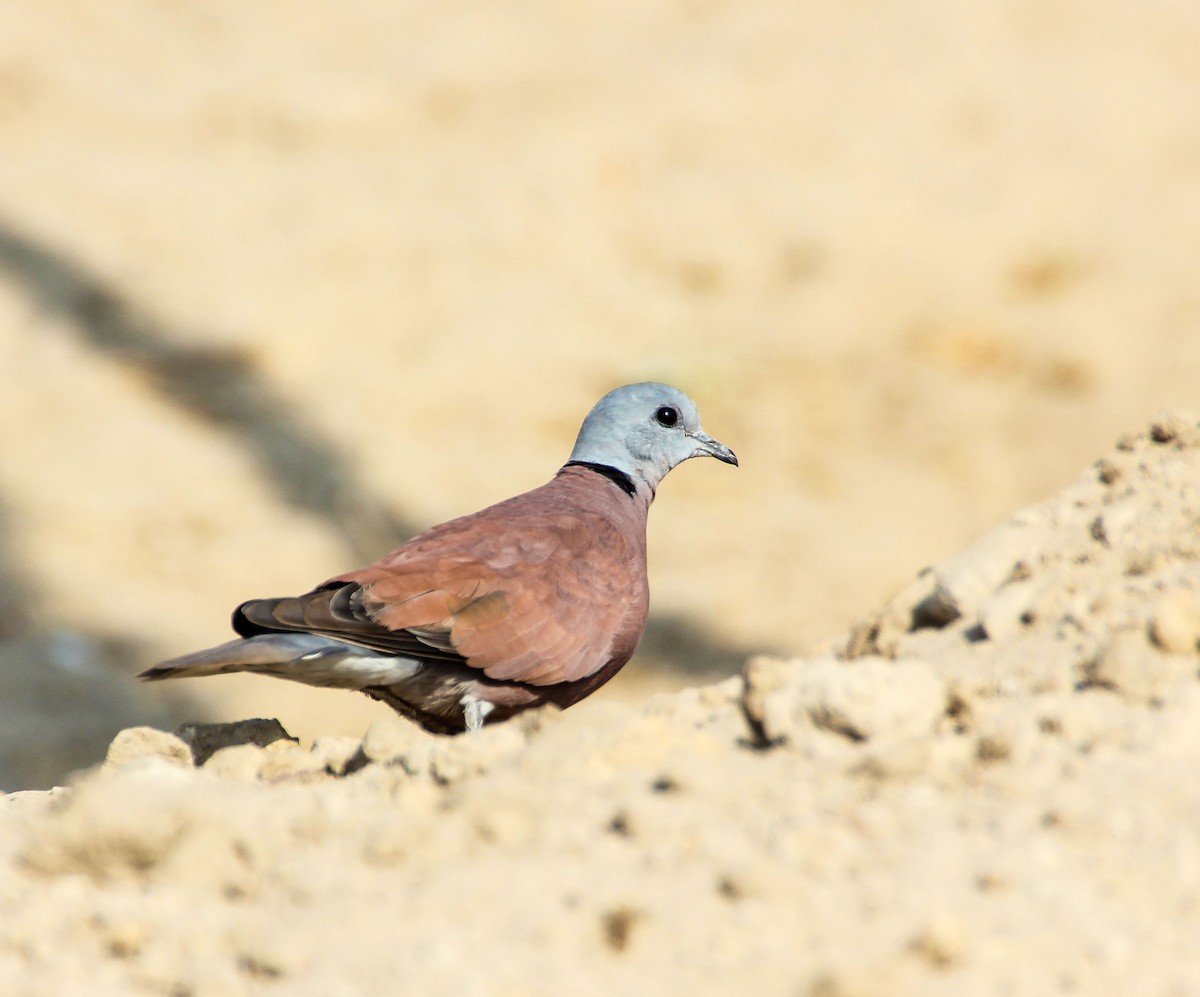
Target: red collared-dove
pixel 538 599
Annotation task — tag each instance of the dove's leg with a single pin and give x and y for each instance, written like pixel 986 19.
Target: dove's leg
pixel 474 711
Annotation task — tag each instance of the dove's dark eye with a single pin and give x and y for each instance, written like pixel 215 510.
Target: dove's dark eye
pixel 667 415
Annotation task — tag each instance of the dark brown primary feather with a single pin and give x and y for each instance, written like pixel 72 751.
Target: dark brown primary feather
pixel 335 610
pixel 546 589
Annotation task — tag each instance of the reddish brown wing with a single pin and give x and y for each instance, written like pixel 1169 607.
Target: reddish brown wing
pixel 546 588
pixel 530 597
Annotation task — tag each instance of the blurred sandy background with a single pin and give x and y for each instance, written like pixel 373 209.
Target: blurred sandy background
pixel 283 282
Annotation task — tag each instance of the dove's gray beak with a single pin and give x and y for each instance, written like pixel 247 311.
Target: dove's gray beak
pixel 706 446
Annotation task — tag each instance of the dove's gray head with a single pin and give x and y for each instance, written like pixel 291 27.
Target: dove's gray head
pixel 644 430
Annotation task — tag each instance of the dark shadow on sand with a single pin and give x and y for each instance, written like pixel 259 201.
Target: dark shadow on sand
pixel 219 386
pixel 64 693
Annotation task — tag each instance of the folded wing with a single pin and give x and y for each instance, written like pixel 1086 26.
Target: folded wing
pixel 523 597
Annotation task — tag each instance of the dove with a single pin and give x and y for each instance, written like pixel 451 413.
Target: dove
pixel 539 599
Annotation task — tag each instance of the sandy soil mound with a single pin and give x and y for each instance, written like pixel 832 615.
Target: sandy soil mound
pixel 987 789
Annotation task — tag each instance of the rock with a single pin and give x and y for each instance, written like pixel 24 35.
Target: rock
pixel 863 699
pixel 1108 471
pixel 204 739
pixel 762 676
pixel 1177 428
pixel 395 741
pixel 294 763
pixel 32 801
pixel 239 762
pixel 1128 664
pixel 284 759
pixel 941 941
pixel 964 582
pixel 470 754
pixel 1005 732
pixel 146 742
pixel 1175 622
pixel 118 825
pixel 1007 611
pixel 124 938
pixel 1092 718
pixel 1117 524
pixel 881 632
pixel 848 982
pixel 534 721
pixel 339 755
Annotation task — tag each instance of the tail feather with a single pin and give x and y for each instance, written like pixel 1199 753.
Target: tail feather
pixel 305 658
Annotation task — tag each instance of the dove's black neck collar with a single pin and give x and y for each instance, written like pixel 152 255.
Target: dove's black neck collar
pixel 617 477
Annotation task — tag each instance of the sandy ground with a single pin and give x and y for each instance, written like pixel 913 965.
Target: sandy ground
pixel 282 283
pixel 985 788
